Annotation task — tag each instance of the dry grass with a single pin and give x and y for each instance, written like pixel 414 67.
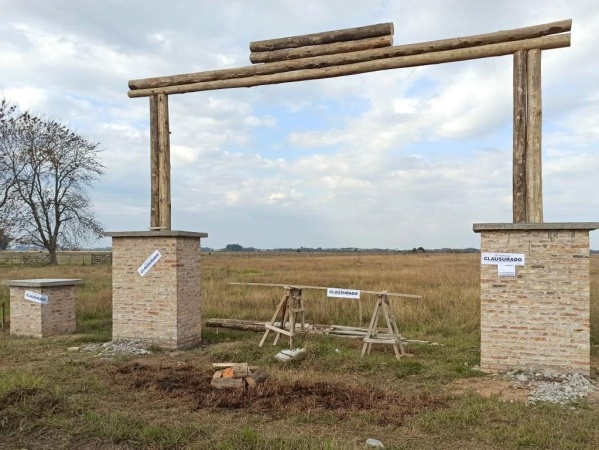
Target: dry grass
pixel 329 399
pixel 448 284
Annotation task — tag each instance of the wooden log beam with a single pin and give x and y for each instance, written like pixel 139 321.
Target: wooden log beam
pixel 288 287
pixel 356 57
pixel 234 324
pixel 164 159
pixel 154 164
pixel 519 159
pixel 486 51
pixel 534 182
pixel 327 37
pixel 320 50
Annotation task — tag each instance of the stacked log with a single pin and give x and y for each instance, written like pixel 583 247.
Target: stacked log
pixel 236 376
pixel 319 44
pixel 310 60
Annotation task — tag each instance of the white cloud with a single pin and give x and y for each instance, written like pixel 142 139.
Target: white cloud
pixel 399 158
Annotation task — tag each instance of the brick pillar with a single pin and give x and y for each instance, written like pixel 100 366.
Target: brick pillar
pixel 163 306
pixel 540 319
pixel 42 307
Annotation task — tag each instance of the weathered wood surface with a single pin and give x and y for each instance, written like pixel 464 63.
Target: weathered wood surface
pixel 101 259
pixel 334 330
pixel 320 50
pixel 154 164
pixel 164 163
pixel 243 325
pixel 326 37
pixel 519 157
pixel 356 57
pixel 227 383
pixel 240 370
pixel 252 325
pixel 288 286
pixel 256 378
pixel 231 364
pixel 486 51
pixel 36 260
pixel 534 186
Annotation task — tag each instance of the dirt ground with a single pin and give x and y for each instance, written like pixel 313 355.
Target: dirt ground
pixel 191 385
pixel 498 387
pixel 492 386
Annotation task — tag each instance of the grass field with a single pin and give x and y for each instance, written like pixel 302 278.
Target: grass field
pixel 328 399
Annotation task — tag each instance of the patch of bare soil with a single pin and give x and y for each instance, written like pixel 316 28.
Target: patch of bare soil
pixel 37 402
pixel 192 384
pixel 593 398
pixel 502 389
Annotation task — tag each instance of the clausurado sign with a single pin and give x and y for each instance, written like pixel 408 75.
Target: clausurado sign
pixel 343 293
pixel 149 263
pixel 35 297
pixel 511 259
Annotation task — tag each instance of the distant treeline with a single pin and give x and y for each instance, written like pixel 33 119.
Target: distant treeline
pixel 239 248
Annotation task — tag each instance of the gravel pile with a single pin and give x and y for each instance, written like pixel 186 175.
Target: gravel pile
pixel 551 388
pixel 120 346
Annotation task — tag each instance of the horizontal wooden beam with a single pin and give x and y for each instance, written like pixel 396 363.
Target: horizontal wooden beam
pixel 294 286
pixel 355 57
pixel 464 54
pixel 320 50
pixel 327 37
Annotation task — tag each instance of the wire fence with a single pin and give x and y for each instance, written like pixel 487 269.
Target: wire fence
pixel 39 258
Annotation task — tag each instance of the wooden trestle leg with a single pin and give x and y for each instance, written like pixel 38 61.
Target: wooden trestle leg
pixel 288 308
pixel 374 337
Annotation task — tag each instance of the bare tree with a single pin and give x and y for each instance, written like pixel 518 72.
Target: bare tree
pixel 5 239
pixel 7 116
pixel 49 169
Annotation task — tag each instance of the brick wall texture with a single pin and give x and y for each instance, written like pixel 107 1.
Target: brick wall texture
pixel 540 319
pixel 28 318
pixel 162 307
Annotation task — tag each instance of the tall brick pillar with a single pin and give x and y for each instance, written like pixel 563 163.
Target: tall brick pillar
pixel 538 319
pixel 156 287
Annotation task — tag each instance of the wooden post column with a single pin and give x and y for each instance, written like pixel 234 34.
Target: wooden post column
pixel 519 164
pixel 534 182
pixel 527 165
pixel 160 163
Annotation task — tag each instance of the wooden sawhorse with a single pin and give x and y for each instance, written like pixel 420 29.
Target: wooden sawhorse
pixel 392 337
pixel 289 307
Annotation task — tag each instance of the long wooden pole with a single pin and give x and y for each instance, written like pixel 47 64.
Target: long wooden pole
pixel 320 50
pixel 288 286
pixel 486 51
pixel 327 37
pixel 356 57
pixel 519 163
pixel 534 183
pixel 154 164
pixel 164 152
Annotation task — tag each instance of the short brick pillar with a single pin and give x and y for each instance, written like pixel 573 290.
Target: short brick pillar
pixel 539 319
pixel 42 307
pixel 156 287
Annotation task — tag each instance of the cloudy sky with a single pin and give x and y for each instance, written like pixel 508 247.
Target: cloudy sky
pixel 395 159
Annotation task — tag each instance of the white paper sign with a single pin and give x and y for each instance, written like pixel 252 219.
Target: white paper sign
pixel 149 263
pixel 35 297
pixel 506 270
pixel 343 293
pixel 512 259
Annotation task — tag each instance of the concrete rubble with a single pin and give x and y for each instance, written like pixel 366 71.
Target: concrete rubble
pixel 553 388
pixel 119 346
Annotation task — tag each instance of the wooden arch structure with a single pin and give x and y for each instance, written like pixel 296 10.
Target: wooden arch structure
pixel 362 50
